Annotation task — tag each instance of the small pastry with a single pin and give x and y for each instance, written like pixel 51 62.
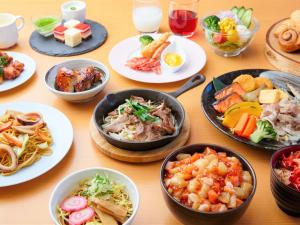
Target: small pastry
pixel 289 40
pixel 85 30
pixel 295 16
pixel 72 37
pixel 59 33
pixel 285 25
pixel 71 23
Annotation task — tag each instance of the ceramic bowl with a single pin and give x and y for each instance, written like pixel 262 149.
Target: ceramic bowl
pixel 287 198
pixel 69 183
pixel 74 10
pixel 173 48
pixel 83 96
pixel 189 216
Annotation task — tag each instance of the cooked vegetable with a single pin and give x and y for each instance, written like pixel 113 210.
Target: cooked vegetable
pixel 141 111
pixel 240 126
pixel 233 88
pixel 246 81
pixel 212 23
pixel 5 126
pixel 264 130
pixel 3 61
pixel 145 40
pixel 253 95
pixel 223 104
pixel 234 113
pixel 263 81
pixel 250 127
pixel 269 96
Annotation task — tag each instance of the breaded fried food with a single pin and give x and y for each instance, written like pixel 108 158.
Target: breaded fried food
pixel 149 50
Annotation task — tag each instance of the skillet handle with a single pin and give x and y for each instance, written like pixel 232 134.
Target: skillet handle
pixel 194 81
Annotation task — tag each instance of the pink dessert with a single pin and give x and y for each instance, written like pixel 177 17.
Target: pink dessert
pixel 59 33
pixel 85 30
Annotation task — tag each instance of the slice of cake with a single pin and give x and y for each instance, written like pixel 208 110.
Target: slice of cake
pixel 71 23
pixel 59 33
pixel 72 37
pixel 85 30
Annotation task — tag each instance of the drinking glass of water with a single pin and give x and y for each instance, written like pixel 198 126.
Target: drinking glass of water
pixel 183 17
pixel 147 15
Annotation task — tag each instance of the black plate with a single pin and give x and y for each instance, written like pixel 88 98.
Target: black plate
pixel 208 99
pixel 113 100
pixel 49 46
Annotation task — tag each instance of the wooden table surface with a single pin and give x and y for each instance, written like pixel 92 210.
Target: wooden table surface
pixel 27 203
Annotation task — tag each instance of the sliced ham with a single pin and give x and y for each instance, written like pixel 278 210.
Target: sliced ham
pixel 144 64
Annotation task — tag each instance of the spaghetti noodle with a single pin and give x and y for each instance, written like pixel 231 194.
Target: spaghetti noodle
pixel 24 139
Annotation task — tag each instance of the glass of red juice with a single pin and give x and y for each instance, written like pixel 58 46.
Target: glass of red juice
pixel 183 17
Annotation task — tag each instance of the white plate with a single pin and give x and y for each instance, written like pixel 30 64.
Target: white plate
pixel 61 131
pixel 29 69
pixel 126 49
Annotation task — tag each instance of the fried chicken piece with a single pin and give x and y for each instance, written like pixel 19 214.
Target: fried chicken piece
pixel 65 80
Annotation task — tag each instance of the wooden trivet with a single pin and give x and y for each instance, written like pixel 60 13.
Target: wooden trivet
pixel 139 156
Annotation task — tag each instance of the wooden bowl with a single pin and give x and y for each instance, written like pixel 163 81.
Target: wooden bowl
pixel 287 62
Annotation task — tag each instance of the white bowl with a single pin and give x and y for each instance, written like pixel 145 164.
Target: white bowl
pixel 173 47
pixel 78 13
pixel 83 96
pixel 65 187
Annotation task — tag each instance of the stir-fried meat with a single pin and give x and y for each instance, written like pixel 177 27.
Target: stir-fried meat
pixel 77 80
pixel 164 113
pixel 126 121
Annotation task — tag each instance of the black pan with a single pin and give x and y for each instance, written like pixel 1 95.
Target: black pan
pixel 113 100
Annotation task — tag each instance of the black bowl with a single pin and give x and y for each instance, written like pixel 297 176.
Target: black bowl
pixel 190 216
pixel 287 198
pixel 113 100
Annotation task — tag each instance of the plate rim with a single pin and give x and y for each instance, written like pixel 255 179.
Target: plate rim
pixel 27 78
pixel 157 81
pixel 48 168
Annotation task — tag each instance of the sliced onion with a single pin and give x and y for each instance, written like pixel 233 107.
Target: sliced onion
pixel 12 154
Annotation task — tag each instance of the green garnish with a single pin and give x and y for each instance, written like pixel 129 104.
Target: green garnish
pixel 141 111
pixel 264 130
pixel 1 71
pixel 145 40
pixel 3 61
pixel 72 8
pixel 218 85
pixel 212 23
pixel 99 186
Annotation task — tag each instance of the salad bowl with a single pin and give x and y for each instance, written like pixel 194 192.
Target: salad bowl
pixel 230 32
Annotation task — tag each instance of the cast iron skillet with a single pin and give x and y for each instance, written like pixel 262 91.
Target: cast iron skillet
pixel 113 100
pixel 208 99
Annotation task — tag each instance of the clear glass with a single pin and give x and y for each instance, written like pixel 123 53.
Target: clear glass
pixel 147 15
pixel 183 17
pixel 229 49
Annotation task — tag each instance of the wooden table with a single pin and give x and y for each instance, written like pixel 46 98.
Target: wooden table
pixel 27 203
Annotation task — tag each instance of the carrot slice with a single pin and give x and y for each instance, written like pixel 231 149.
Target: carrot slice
pixel 12 140
pixel 250 128
pixel 212 196
pixel 5 126
pixel 240 126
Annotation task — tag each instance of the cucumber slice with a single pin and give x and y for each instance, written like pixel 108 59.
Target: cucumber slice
pixel 241 12
pixel 235 10
pixel 247 17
